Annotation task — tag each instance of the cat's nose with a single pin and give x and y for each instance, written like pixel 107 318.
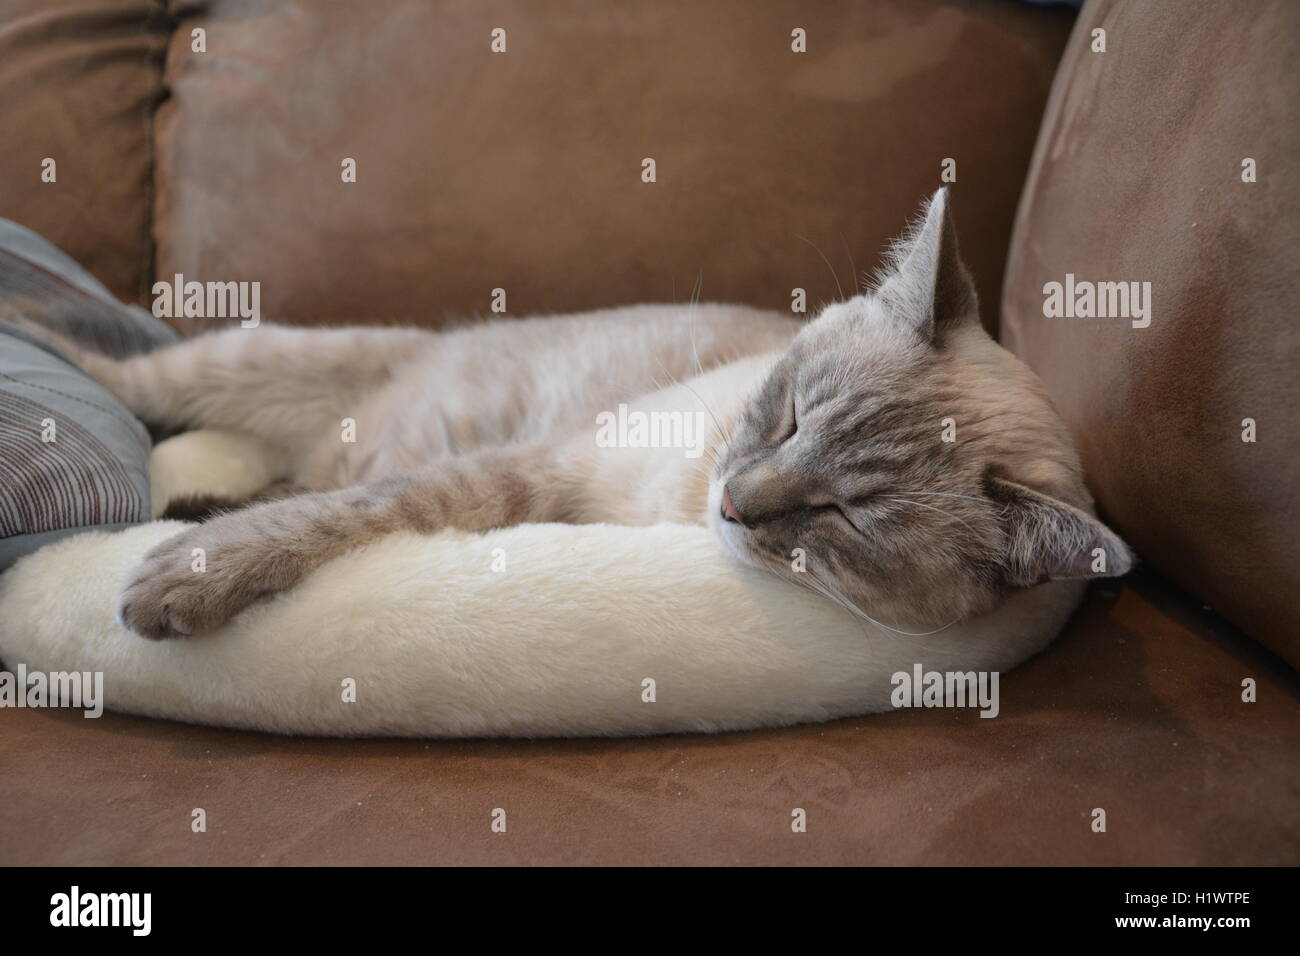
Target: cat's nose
pixel 729 512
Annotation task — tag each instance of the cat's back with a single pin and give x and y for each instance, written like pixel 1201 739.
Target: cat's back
pixel 541 379
pixel 541 376
pixel 713 331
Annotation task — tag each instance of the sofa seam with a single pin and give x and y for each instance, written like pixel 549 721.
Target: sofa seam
pixel 158 14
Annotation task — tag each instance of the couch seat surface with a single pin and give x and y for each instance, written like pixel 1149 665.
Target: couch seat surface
pixel 1136 709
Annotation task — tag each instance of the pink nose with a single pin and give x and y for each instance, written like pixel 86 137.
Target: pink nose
pixel 729 512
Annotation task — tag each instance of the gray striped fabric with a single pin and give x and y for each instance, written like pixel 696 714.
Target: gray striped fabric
pixel 72 458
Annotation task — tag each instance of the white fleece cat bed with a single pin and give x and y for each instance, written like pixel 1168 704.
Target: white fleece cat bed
pixel 559 643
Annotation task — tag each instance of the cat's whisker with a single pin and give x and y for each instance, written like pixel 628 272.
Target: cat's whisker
pixel 818 587
pixel 722 432
pixel 664 369
pixel 717 424
pixel 699 365
pixel 943 494
pixel 907 500
pixel 848 605
pixel 857 276
pixel 825 589
pixel 834 276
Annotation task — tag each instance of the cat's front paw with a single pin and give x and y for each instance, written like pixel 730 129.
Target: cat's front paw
pixel 194 582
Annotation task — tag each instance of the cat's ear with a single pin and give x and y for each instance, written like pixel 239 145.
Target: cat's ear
pixel 1048 539
pixel 929 289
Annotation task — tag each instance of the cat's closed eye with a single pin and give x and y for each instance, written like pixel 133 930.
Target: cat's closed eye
pixel 839 515
pixel 789 423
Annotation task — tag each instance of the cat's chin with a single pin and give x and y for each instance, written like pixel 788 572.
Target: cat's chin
pixel 731 547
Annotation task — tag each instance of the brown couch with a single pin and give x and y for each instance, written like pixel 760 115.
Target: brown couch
pixel 775 170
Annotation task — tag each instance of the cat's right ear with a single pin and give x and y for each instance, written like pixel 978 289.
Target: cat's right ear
pixel 929 290
pixel 1049 540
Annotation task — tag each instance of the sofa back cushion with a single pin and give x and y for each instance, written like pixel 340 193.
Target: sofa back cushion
pixel 78 87
pixel 1171 159
pixel 522 170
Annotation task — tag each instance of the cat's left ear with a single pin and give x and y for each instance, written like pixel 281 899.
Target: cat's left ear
pixel 930 290
pixel 1049 540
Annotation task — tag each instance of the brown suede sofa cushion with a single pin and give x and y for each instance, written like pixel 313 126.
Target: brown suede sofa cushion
pixel 522 170
pixel 1137 176
pixel 79 82
pixel 1136 710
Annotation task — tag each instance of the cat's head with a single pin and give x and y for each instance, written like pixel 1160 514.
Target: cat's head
pixel 899 459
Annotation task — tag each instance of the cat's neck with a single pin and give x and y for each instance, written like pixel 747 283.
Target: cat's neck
pixel 633 485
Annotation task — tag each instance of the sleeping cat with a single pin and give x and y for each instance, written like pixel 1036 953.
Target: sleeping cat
pixel 888 454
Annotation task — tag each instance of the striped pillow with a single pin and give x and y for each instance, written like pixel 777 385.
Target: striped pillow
pixel 72 458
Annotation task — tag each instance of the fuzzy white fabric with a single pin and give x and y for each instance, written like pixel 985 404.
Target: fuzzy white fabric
pixel 558 643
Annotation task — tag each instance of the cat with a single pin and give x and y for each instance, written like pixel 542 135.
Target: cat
pixel 887 454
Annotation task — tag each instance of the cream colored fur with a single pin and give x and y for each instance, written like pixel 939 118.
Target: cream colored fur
pixel 211 461
pixel 557 644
